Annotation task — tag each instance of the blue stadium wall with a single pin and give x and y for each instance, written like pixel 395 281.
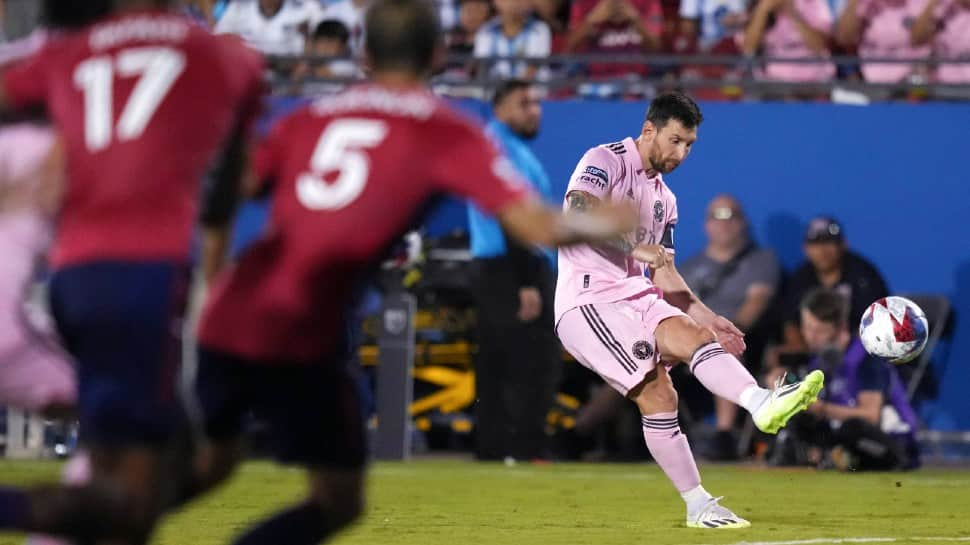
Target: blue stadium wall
pixel 895 174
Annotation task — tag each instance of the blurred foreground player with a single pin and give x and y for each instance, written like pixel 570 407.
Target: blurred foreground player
pixel 349 175
pixel 616 313
pixel 146 102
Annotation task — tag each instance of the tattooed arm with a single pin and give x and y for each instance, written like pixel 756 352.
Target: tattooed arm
pixel 653 255
pixel 581 202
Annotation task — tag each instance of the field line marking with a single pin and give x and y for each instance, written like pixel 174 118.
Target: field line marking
pixel 838 540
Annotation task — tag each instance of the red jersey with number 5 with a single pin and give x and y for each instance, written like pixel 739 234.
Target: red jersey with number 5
pixel 144 102
pixel 351 173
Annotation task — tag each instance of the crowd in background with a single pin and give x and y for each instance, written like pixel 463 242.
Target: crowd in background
pixel 480 30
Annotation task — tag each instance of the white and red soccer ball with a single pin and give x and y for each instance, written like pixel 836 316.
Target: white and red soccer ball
pixel 894 328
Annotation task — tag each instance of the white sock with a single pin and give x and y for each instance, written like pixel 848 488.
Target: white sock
pixel 753 397
pixel 695 498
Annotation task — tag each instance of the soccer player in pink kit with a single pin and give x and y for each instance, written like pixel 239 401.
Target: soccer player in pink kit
pixel 35 374
pixel 624 326
pixel 946 24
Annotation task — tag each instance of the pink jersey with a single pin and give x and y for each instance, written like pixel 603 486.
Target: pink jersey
pixel 23 149
pixel 784 40
pixel 886 35
pixel 587 275
pixel 953 40
pixel 34 374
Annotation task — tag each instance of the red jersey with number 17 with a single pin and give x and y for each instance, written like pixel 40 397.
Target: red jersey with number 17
pixel 352 173
pixel 144 102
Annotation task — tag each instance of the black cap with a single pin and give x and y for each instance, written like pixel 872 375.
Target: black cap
pixel 824 229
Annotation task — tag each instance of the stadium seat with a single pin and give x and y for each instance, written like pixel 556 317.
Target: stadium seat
pixel 937 309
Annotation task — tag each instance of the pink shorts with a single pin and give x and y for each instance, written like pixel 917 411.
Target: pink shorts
pixel 34 373
pixel 616 340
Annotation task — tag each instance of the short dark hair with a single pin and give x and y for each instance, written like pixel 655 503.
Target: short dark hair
pixel 68 15
pixel 506 88
pixel 826 305
pixel 402 35
pixel 674 105
pixel 331 29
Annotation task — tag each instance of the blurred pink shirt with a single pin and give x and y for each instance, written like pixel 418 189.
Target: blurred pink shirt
pixel 886 35
pixel 953 40
pixel 34 373
pixel 784 40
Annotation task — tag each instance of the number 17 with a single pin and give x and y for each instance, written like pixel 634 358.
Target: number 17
pixel 157 69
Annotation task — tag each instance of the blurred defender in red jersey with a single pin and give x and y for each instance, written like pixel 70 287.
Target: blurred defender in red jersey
pixel 349 175
pixel 146 103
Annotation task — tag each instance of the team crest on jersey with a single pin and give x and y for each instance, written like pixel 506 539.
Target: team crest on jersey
pixel 658 211
pixel 642 350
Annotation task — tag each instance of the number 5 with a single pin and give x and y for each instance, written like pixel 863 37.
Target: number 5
pixel 340 148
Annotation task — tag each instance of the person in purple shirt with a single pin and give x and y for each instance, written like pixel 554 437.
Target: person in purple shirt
pixel 862 420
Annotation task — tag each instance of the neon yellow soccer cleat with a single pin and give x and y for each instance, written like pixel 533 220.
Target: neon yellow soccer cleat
pixel 787 401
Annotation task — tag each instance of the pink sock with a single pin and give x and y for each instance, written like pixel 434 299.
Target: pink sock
pixel 670 450
pixel 723 375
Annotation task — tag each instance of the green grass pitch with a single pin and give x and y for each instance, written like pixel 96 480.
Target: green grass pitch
pixel 430 502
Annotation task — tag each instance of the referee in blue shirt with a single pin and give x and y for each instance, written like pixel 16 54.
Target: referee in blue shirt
pixel 518 365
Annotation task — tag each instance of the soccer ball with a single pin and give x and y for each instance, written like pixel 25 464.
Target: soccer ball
pixel 894 328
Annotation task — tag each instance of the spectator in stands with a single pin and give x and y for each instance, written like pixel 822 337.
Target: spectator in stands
pixel 201 10
pixel 518 364
pixel 472 14
pixel 831 265
pixel 671 24
pixel 329 39
pixel 351 14
pixel 862 420
pixel 793 29
pixel 460 42
pixel 274 27
pixel 738 279
pixel 448 13
pixel 514 32
pixel 615 27
pixel 946 25
pixel 711 26
pixel 555 14
pixel 880 30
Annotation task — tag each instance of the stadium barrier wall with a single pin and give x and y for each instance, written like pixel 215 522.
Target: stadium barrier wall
pixel 895 174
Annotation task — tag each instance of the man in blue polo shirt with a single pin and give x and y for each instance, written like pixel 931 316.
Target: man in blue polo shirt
pixel 518 365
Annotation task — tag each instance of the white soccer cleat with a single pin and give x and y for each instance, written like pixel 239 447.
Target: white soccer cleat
pixel 714 516
pixel 787 401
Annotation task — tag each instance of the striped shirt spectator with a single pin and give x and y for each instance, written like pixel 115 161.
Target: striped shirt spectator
pixel 514 32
